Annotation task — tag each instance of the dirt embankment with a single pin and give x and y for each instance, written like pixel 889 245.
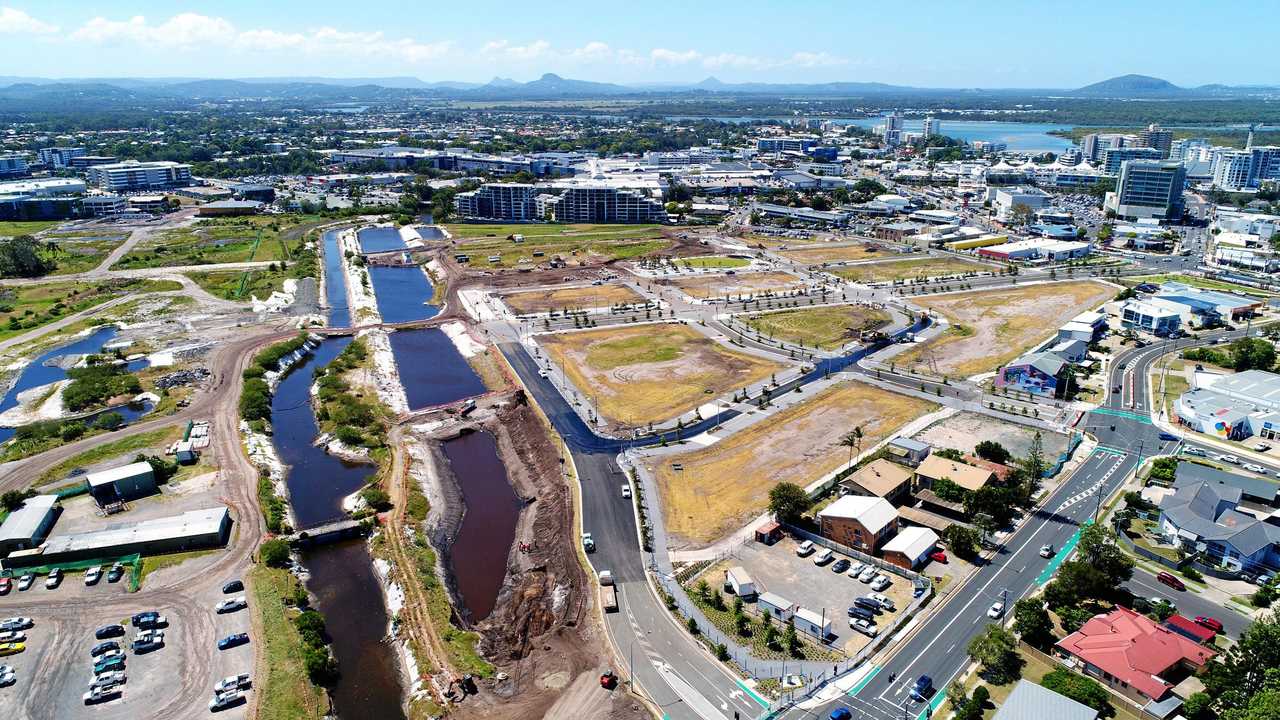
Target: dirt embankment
pixel 542 634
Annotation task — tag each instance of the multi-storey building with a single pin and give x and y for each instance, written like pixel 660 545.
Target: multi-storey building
pixel 1232 169
pixel 1156 137
pixel 601 204
pixel 59 157
pixel 13 166
pixel 133 175
pixel 931 127
pixel 1113 158
pixel 1148 189
pixel 509 202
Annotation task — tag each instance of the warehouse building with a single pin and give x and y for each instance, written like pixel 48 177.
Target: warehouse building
pixel 1233 407
pixel 122 483
pixel 910 548
pixel 192 530
pixel 29 525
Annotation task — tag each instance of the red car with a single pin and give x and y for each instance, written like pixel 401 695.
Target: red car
pixel 1171 581
pixel 938 556
pixel 5 586
pixel 1211 623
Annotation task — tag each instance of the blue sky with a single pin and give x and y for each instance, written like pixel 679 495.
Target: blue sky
pixel 998 43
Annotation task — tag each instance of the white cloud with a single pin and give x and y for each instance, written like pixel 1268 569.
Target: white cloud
pixel 16 22
pixel 673 57
pixel 819 59
pixel 502 48
pixel 182 30
pixel 753 62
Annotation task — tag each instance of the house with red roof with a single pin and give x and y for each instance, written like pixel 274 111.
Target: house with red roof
pixel 1133 655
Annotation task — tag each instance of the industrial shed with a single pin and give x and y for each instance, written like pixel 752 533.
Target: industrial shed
pixel 28 526
pixel 192 530
pixel 122 483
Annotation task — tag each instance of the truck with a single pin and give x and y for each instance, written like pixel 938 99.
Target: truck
pixel 608 592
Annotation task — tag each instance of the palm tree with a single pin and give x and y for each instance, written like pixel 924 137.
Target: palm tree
pixel 852 440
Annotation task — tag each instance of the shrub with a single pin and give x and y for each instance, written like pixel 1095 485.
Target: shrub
pixel 1078 688
pixel 376 498
pixel 109 421
pixel 274 553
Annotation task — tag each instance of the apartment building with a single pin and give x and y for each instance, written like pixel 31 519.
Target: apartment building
pixel 509 202
pixel 601 204
pixel 132 175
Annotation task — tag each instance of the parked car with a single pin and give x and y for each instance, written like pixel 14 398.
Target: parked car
pixel 938 556
pixel 93 575
pixel 1212 623
pixel 231 605
pixel 1171 581
pixel 231 586
pixel 222 701
pixel 5 586
pixel 804 548
pixel 588 543
pixel 996 610
pixel 112 654
pixel 232 682
pixel 115 573
pixel 107 680
pixel 12 636
pixel 866 627
pixel 17 623
pixel 105 664
pixel 7 676
pixel 823 557
pixel 109 631
pixel 882 600
pixel 868 603
pixel 1046 550
pixel 54 579
pixel 840 566
pixel 103 647
pixel 149 619
pixel 12 648
pixel 868 574
pixel 1255 468
pixel 98 695
pixel 924 684
pixel 857 569
pixel 231 641
pixel 147 641
pixel 880 582
pixel 25 581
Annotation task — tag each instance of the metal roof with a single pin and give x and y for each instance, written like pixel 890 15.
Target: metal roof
pixel 1189 473
pixel 111 475
pixel 193 523
pixel 24 523
pixel 912 542
pixel 1030 701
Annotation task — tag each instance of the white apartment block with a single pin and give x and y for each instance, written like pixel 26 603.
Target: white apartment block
pixel 134 175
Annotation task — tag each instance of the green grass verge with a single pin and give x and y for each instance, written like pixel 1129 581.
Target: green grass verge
pixel 459 644
pixel 285 692
pixel 27 307
pixel 14 228
pixel 222 240
pixel 571 242
pixel 160 562
pixel 131 444
pixel 77 254
pixel 713 262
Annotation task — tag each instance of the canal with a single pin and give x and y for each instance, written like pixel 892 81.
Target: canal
pixel 431 368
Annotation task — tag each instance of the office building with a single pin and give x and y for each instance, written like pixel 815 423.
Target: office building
pixel 931 127
pixel 795 143
pixel 1158 138
pixel 858 521
pixel 1232 168
pixel 104 205
pixel 1006 199
pixel 1113 158
pixel 1152 316
pixel 601 204
pixel 86 161
pixel 43 187
pixel 13 166
pixel 132 175
pixel 59 157
pixel 509 202
pixel 1148 189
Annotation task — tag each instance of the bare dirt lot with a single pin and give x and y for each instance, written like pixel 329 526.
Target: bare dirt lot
pixel 844 253
pixel 909 269
pixel 756 283
pixel 576 298
pixel 726 484
pixel 650 373
pixel 990 328
pixel 963 431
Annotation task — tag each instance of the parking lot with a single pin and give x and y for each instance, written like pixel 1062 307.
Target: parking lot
pixel 176 680
pixel 778 570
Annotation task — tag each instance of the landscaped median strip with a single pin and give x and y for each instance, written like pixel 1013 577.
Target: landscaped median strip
pixel 1067 548
pixel 933 706
pixel 752 694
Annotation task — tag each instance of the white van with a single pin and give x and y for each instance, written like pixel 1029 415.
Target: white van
pixel 804 548
pixel 823 557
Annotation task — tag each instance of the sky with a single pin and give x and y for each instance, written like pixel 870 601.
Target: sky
pixel 925 43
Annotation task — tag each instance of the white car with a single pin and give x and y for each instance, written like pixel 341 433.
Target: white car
pixel 995 611
pixel 12 636
pixel 231 604
pixel 7 676
pixel 16 623
pixel 804 548
pixel 1255 468
pixel 232 682
pixel 880 582
pixel 93 575
pixel 868 575
pixel 107 679
pixel 863 626
pixel 225 700
pixel 98 695
pixel 857 569
pixel 25 581
pixel 1229 459
pixel 885 603
pixel 54 579
pixel 626 491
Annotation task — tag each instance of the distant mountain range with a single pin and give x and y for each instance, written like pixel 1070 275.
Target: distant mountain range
pixel 44 93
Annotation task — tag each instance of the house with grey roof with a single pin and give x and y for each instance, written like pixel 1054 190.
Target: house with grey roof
pixel 1038 373
pixel 1252 489
pixel 1032 701
pixel 1204 518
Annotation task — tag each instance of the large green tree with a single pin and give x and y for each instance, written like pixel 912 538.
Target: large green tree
pixel 1240 673
pixel 1252 354
pixel 1032 622
pixel 997 649
pixel 788 501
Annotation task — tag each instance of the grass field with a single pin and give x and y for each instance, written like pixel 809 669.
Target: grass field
pixel 754 283
pixel 773 242
pixel 581 243
pixel 821 327
pixel 712 262
pixel 26 307
pixel 725 485
pixel 222 240
pixel 226 283
pixel 14 228
pixel 989 328
pixel 284 693
pixel 132 444
pixel 814 255
pixel 1192 280
pixel 650 373
pixel 80 254
pixel 577 298
pixel 908 269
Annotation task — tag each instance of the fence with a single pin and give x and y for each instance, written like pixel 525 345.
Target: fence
pixel 1148 554
pixel 133 562
pixel 1056 468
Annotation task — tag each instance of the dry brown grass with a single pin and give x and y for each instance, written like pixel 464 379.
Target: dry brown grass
pixel 814 255
pixel 909 269
pixel 991 327
pixel 650 373
pixel 710 286
pixel 725 485
pixel 577 298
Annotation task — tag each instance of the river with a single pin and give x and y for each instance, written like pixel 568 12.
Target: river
pixel 1020 137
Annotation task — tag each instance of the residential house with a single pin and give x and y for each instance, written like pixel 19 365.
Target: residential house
pixel 860 522
pixel 967 476
pixel 1133 655
pixel 907 451
pixel 1204 518
pixel 1037 373
pixel 879 478
pixel 1032 701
